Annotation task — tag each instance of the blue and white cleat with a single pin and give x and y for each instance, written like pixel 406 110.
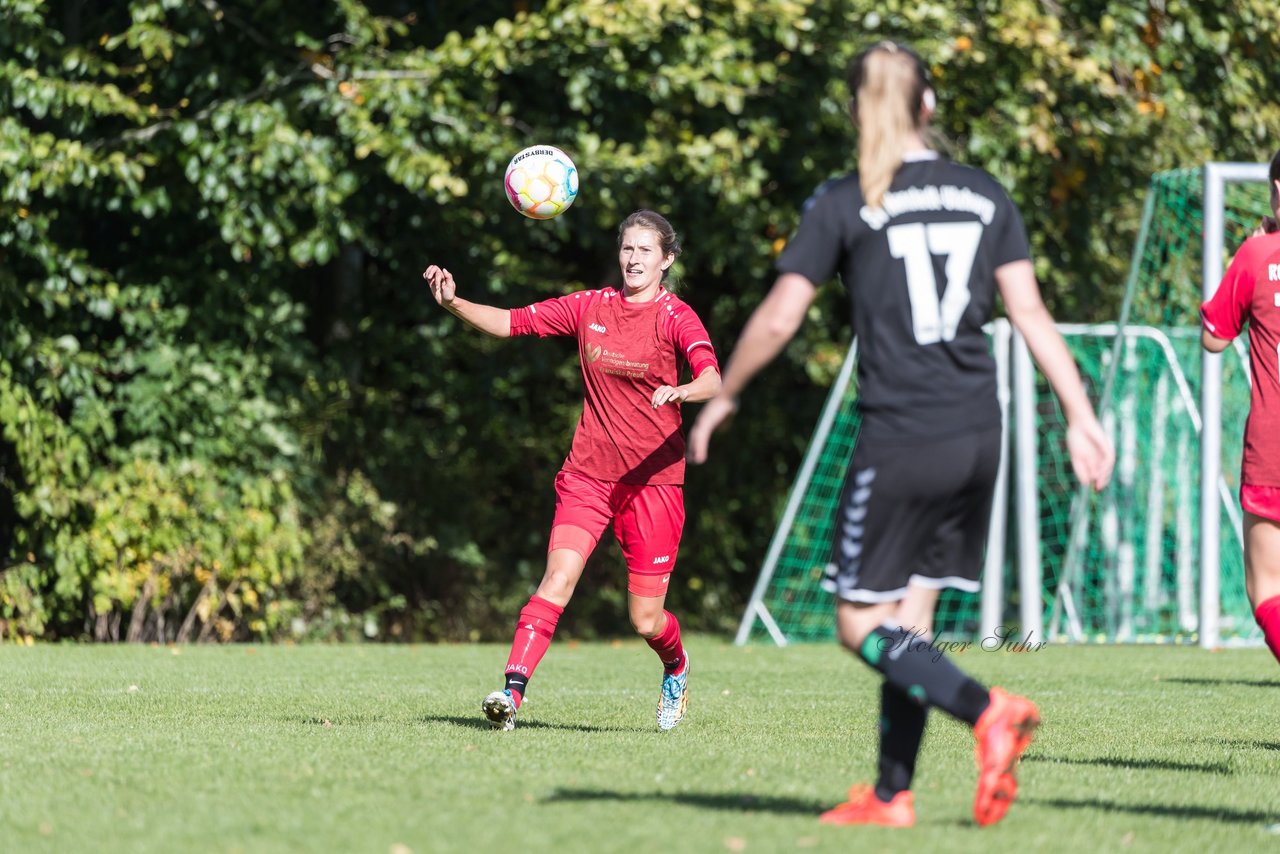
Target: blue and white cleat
pixel 674 700
pixel 500 708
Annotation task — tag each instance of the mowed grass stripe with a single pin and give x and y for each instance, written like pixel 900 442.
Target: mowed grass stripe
pixel 366 748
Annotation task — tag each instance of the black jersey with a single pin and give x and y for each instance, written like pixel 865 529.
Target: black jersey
pixel 920 274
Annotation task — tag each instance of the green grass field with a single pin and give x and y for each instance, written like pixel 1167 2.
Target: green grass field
pixel 381 749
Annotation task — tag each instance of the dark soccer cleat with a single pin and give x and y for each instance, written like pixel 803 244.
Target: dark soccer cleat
pixel 1003 732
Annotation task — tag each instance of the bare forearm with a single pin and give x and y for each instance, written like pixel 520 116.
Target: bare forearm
pixel 1027 312
pixel 705 387
pixel 1056 362
pixel 488 319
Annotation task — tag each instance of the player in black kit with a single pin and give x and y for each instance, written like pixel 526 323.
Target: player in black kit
pixel 922 244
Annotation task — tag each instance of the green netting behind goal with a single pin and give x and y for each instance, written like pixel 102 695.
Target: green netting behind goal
pixel 1119 566
pixel 1134 570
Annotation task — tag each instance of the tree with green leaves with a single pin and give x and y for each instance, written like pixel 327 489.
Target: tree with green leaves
pixel 227 408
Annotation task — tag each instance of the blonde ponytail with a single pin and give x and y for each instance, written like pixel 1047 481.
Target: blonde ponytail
pixel 888 82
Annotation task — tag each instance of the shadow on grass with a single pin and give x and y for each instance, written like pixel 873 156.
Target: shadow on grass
pixel 1218 814
pixel 1137 764
pixel 1240 743
pixel 1205 680
pixel 736 802
pixel 480 723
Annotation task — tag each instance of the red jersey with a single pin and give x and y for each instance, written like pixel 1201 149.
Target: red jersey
pixel 1250 291
pixel 627 351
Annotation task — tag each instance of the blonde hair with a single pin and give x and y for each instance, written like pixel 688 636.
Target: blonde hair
pixel 888 82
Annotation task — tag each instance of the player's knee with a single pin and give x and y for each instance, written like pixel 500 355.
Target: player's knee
pixel 851 637
pixel 855 623
pixel 555 591
pixel 558 584
pixel 851 634
pixel 647 625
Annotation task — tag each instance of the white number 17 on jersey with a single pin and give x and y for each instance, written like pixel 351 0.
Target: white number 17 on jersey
pixel 935 319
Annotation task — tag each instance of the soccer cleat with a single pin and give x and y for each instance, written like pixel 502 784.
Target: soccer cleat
pixel 500 708
pixel 1003 732
pixel 674 699
pixel 863 807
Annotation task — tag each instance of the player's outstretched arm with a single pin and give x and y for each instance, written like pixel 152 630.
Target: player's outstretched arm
pixel 774 322
pixel 1092 454
pixel 488 319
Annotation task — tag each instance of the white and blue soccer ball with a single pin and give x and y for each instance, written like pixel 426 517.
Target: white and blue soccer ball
pixel 541 182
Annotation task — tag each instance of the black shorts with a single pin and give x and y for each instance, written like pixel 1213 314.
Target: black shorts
pixel 913 513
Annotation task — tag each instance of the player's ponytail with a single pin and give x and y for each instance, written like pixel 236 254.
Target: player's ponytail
pixel 889 84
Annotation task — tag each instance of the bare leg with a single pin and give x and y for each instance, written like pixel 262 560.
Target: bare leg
pixel 1261 558
pixel 534 630
pixel 1262 576
pixel 915 610
pixel 564 569
pixel 648 616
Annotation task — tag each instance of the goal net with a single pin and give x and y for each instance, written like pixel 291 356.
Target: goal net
pixel 1153 557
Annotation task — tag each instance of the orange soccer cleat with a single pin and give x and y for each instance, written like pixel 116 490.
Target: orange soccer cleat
pixel 863 807
pixel 1003 732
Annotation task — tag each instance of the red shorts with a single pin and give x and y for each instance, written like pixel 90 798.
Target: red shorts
pixel 647 520
pixel 1261 501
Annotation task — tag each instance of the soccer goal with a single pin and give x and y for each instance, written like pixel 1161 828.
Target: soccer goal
pixel 1153 558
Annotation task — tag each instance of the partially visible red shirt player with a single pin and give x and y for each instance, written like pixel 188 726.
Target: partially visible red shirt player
pixel 1250 292
pixel 626 464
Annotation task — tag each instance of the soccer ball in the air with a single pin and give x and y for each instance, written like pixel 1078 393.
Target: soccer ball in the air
pixel 541 182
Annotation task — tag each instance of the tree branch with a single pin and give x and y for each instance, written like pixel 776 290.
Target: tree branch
pixel 146 133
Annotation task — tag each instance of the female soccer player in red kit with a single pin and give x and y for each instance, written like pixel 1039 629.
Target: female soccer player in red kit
pixel 922 245
pixel 626 464
pixel 1250 291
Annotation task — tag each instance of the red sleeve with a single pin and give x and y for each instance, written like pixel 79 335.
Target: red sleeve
pixel 555 316
pixel 1224 314
pixel 691 338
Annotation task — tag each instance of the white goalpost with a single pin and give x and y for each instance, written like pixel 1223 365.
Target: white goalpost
pixel 1216 178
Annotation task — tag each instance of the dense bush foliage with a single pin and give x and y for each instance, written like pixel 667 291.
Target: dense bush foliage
pixel 228 408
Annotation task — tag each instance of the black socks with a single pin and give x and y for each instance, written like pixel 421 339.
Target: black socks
pixel 902 722
pixel 517 683
pixel 920 671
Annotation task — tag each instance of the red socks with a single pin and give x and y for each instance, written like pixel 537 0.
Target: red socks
pixel 666 643
pixel 537 625
pixel 534 630
pixel 1267 615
